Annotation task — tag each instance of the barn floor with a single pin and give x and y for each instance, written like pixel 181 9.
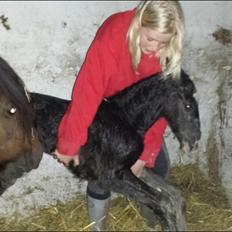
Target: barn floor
pixel 207 209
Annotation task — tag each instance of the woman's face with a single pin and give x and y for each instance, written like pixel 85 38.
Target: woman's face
pixel 151 40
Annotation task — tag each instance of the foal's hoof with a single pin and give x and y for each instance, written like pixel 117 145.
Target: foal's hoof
pixel 54 156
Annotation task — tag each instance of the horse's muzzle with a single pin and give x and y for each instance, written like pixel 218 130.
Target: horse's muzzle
pixel 188 147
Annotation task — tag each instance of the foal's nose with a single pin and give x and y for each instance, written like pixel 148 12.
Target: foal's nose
pixel 196 145
pixel 199 136
pixel 198 129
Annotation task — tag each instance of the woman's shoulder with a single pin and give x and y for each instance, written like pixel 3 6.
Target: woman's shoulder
pixel 116 24
pixel 120 17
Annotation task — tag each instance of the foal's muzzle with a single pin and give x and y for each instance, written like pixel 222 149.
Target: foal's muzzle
pixel 187 147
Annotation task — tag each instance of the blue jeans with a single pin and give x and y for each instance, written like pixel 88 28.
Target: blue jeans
pixel 162 164
pixel 161 168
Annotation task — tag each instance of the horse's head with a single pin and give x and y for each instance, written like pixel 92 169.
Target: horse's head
pixel 15 115
pixel 182 112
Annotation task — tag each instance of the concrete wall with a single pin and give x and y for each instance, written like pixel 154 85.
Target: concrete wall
pixel 46 46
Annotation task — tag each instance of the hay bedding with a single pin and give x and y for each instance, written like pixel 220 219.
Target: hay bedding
pixel 207 209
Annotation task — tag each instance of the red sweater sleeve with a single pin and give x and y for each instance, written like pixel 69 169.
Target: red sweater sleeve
pixel 88 92
pixel 152 142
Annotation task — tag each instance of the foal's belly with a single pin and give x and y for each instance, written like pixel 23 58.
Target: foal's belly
pixel 114 141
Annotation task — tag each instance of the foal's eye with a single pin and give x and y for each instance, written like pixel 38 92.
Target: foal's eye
pixel 12 111
pixel 188 106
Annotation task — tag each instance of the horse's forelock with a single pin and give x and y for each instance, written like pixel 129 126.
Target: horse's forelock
pixel 12 86
pixel 187 84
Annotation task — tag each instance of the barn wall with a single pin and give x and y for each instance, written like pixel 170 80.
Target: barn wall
pixel 46 46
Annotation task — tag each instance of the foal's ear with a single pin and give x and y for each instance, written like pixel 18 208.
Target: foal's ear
pixel 186 83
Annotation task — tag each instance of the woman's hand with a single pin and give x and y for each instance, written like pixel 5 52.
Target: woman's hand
pixel 66 159
pixel 137 168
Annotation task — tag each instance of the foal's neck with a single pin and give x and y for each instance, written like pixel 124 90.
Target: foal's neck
pixel 142 104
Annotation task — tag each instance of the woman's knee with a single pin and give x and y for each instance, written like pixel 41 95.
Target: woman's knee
pixel 96 191
pixel 162 165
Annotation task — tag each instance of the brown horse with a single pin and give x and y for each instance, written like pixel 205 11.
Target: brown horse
pixel 29 122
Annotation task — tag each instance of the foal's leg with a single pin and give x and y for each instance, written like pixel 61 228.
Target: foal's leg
pixel 161 168
pixel 165 201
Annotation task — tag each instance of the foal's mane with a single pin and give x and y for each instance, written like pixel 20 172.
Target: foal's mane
pixel 12 86
pixel 138 91
pixel 158 83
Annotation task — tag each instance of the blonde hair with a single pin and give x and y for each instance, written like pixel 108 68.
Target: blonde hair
pixel 165 17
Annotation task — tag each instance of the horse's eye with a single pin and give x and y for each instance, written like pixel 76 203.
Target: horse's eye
pixel 12 111
pixel 188 106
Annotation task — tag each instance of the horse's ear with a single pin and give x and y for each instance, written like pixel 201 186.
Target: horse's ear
pixel 186 83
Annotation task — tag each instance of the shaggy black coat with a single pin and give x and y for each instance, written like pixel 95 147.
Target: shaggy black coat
pixel 115 138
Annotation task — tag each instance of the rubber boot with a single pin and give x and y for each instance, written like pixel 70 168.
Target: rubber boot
pixel 97 211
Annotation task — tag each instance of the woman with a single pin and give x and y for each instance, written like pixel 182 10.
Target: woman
pixel 128 47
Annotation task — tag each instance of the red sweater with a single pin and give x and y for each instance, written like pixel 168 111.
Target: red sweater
pixel 106 70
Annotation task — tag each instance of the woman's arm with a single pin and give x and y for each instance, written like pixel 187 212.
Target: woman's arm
pixel 88 92
pixel 152 142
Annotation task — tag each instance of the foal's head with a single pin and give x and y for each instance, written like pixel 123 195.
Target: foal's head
pixel 182 112
pixel 15 115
